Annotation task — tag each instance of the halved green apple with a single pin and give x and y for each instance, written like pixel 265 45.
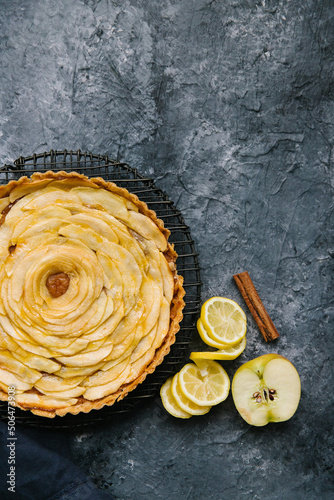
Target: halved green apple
pixel 266 389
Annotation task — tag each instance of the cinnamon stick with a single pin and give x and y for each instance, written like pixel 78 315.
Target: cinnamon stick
pixel 255 305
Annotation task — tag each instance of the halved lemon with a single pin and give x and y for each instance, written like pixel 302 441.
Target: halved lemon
pixel 169 402
pixel 224 320
pixel 184 403
pixel 226 353
pixel 204 383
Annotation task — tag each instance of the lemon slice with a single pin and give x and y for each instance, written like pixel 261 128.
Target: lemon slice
pixel 184 403
pixel 224 320
pixel 169 402
pixel 205 337
pixel 226 353
pixel 204 383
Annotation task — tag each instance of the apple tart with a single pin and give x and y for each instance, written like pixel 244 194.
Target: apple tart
pixel 90 296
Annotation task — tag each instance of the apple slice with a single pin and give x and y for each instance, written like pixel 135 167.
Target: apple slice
pixel 266 389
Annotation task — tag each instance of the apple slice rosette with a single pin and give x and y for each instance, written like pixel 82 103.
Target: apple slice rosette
pixel 90 297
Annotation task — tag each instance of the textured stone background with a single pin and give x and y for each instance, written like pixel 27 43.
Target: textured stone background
pixel 229 106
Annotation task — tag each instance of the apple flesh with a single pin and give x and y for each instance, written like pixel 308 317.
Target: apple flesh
pixel 266 389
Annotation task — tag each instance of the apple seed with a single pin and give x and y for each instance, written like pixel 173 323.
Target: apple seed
pixel 265 395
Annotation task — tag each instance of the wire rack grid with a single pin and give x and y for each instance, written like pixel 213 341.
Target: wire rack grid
pixel 95 165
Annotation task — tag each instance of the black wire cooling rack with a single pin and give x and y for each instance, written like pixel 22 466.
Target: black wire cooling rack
pixel 94 165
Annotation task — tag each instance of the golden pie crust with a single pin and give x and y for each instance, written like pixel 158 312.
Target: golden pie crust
pixel 90 299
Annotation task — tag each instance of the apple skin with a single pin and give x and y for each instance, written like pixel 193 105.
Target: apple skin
pixel 270 371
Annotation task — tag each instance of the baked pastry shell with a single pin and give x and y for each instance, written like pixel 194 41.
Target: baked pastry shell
pixel 176 307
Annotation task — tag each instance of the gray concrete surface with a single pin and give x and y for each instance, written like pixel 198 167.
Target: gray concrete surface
pixel 229 106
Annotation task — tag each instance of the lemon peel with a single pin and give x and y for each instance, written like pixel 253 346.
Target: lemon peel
pixel 169 402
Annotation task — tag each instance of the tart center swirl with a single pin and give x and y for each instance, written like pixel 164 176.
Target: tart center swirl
pixel 57 284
